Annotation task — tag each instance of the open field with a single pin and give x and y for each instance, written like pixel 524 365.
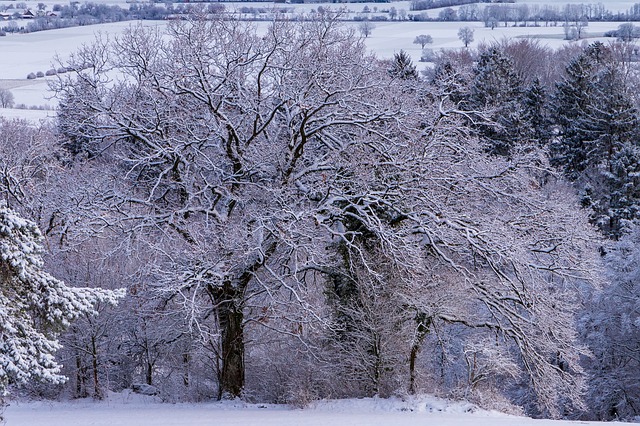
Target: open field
pixel 26 53
pixel 613 5
pixel 22 54
pixel 120 411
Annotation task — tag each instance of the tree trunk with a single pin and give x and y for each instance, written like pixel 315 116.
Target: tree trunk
pixel 149 375
pixel 96 377
pixel 415 348
pixel 186 376
pixel 231 320
pixel 422 329
pixel 81 377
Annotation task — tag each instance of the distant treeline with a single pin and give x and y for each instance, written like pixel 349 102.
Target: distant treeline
pixel 513 14
pixel 493 15
pixel 435 4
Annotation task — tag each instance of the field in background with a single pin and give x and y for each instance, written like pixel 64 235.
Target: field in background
pixel 22 54
pixel 26 53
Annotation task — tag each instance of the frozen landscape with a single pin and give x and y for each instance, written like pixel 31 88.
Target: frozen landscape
pixel 490 233
pixel 133 410
pixel 29 53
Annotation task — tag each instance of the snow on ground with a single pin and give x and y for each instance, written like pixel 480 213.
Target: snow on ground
pixel 126 409
pixel 390 37
pixel 21 54
pixel 612 5
pixel 34 116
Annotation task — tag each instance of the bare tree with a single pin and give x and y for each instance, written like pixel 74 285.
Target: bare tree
pixel 6 98
pixel 226 177
pixel 262 181
pixel 423 40
pixel 465 34
pixel 366 27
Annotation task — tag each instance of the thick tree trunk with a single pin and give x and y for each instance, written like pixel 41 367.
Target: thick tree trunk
pixel 231 319
pixel 423 323
pixel 229 299
pixel 412 368
pixel 149 374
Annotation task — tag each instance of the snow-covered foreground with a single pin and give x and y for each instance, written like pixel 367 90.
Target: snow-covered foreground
pixel 132 410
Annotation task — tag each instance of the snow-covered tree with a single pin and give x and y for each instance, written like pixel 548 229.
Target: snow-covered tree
pixel 597 123
pixel 611 328
pixel 465 34
pixel 423 40
pixel 34 306
pixel 497 95
pixel 402 66
pixel 283 184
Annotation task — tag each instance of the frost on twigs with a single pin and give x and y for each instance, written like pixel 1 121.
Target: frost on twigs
pixel 34 306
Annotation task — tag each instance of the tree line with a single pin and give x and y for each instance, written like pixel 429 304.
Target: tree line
pixel 293 218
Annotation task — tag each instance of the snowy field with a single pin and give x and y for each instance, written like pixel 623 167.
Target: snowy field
pixel 612 5
pixel 36 52
pixel 132 410
pixel 30 53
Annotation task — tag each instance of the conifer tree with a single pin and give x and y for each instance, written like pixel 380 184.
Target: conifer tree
pixel 597 137
pixel 536 112
pixel 34 306
pixel 497 95
pixel 402 67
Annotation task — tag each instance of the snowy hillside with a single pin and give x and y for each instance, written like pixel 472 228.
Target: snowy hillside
pixel 126 409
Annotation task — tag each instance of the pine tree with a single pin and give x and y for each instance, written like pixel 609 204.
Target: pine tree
pixel 597 137
pixel 623 184
pixel 34 306
pixel 497 95
pixel 402 67
pixel 536 112
pixel 572 107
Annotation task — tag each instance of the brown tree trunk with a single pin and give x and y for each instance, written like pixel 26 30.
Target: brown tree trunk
pixel 94 361
pixel 412 368
pixel 422 329
pixel 231 320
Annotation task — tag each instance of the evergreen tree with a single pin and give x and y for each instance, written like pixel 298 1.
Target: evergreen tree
pixel 34 306
pixel 597 137
pixel 536 112
pixel 497 95
pixel 402 67
pixel 623 183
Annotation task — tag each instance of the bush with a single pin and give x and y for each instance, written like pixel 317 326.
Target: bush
pixel 50 72
pixel 39 74
pixel 31 76
pixel 428 55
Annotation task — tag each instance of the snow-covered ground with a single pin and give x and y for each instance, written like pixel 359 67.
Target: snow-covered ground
pixel 29 53
pixel 125 409
pixel 612 5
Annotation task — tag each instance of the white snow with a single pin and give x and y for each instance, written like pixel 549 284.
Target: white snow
pixel 127 409
pixel 29 53
pixel 33 116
